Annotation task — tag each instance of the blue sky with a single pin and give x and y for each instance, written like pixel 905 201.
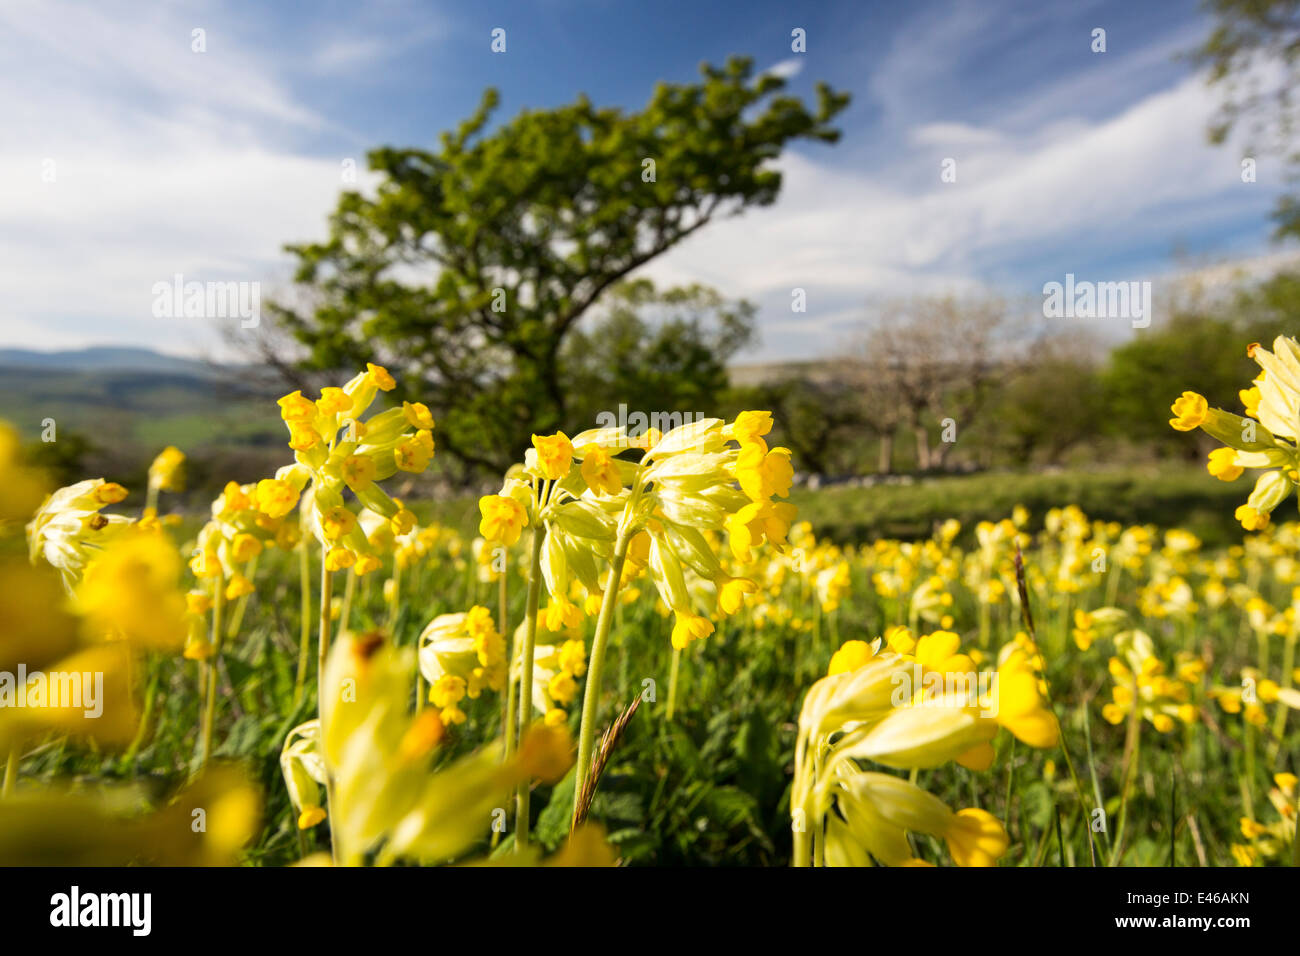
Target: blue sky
pixel 167 161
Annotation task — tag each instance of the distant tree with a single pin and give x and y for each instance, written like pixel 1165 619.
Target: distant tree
pixel 1204 353
pixel 1249 38
pixel 1049 403
pixel 472 265
pixel 653 351
pixel 928 359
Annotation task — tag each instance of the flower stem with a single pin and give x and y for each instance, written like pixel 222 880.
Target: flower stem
pixel 672 681
pixel 210 694
pixel 11 771
pixel 304 636
pixel 322 651
pixel 526 677
pixel 591 696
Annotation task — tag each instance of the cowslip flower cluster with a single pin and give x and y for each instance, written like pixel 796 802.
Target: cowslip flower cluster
pixel 1274 840
pixel 461 655
pixel 1143 684
pixel 69 528
pixel 559 662
pixel 660 506
pixel 118 597
pixel 918 704
pixel 336 451
pixel 236 534
pixel 1265 438
pixel 167 471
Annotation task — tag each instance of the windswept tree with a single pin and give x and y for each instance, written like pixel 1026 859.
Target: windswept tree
pixel 471 265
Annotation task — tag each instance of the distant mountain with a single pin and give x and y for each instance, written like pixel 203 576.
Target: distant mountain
pixel 107 359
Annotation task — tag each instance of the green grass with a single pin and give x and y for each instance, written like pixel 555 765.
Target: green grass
pixel 1167 496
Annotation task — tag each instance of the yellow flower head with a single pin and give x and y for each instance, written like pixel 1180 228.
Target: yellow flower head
pixel 337 523
pixel 417 415
pixel 599 471
pixel 554 455
pixel 334 401
pixel 379 376
pixel 750 427
pixel 503 519
pixel 850 656
pixel 1223 464
pixel 690 627
pixel 1251 519
pixel 731 593
pixel 275 497
pixel 1189 410
pixel 166 473
pixel 358 471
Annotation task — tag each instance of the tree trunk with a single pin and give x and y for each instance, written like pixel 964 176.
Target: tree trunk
pixel 922 447
pixel 885 463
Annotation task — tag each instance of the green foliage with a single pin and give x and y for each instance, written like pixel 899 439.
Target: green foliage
pixel 473 263
pixel 1247 34
pixel 673 361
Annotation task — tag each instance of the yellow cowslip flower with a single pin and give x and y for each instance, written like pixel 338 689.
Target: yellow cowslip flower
pixel 379 376
pixel 689 627
pixel 573 657
pixel 339 559
pixel 763 473
pixel 732 591
pixel 403 522
pixel 1020 707
pixel 1251 519
pixel 337 523
pixel 1189 411
pixel 599 471
pixel 850 656
pixel 297 409
pixel 238 587
pixel 447 690
pixel 417 415
pixel 1223 464
pixel 561 613
pixel 334 401
pixel 245 547
pixel 1250 398
pixel 757 522
pixel 413 454
pixel 751 426
pixel 554 455
pixel 503 519
pixel 275 497
pixel 166 473
pixel 563 688
pixel 358 471
pixel 899 639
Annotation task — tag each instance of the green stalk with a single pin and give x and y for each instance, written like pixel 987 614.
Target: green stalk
pixel 349 587
pixel 210 701
pixel 322 651
pixel 596 665
pixel 672 681
pixel 11 772
pixel 526 678
pixel 1279 718
pixel 304 636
